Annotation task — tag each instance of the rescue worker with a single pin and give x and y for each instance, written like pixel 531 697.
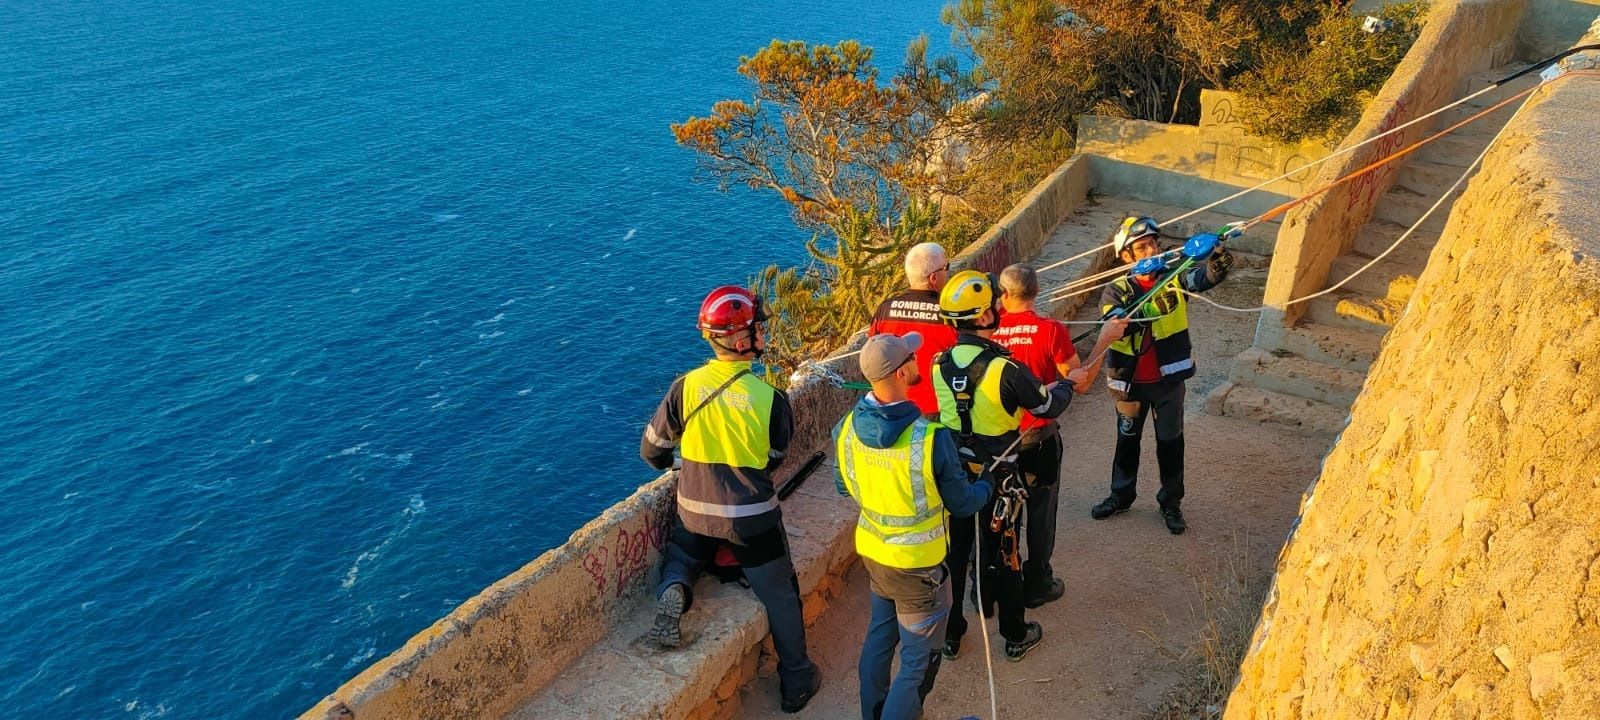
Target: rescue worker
pixel 1043 345
pixel 983 394
pixel 731 429
pixel 904 473
pixel 917 310
pixel 1146 368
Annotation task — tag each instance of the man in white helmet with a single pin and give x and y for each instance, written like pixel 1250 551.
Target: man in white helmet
pixel 1146 369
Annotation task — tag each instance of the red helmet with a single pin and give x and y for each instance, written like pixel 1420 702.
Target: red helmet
pixel 729 309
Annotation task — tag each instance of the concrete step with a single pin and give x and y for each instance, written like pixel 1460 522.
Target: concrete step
pixel 1385 279
pixel 1376 237
pixel 1427 178
pixel 1484 79
pixel 1355 311
pixel 1307 417
pixel 1454 150
pixel 1484 126
pixel 1289 374
pixel 1339 347
pixel 1404 207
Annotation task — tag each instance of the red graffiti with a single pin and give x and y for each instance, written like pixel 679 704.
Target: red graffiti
pixel 1364 189
pixel 995 257
pixel 628 555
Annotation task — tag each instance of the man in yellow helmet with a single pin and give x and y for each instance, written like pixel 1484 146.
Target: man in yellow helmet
pixel 904 473
pixel 732 430
pixel 982 397
pixel 1146 369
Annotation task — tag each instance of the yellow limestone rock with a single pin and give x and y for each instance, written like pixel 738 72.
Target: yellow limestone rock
pixel 1503 654
pixel 1545 673
pixel 1423 659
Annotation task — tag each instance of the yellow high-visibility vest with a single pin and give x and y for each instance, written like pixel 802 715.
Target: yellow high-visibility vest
pixel 902 522
pixel 989 416
pixel 732 428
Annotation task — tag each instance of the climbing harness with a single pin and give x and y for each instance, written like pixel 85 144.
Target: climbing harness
pixel 963 383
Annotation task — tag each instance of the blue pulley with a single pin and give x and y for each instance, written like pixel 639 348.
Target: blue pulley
pixel 1150 265
pixel 1200 246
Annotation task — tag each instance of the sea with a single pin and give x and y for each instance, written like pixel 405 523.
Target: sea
pixel 317 318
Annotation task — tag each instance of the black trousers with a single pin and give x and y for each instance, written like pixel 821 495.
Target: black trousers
pixel 1008 583
pixel 1040 466
pixel 1165 400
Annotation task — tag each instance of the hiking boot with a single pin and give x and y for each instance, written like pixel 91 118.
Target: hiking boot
pixel 797 702
pixel 1108 507
pixel 952 648
pixel 1030 640
pixel 668 631
pixel 1047 593
pixel 1174 518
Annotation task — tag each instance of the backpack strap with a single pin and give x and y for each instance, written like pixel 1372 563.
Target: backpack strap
pixel 963 383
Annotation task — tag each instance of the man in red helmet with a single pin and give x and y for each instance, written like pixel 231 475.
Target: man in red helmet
pixel 731 429
pixel 917 310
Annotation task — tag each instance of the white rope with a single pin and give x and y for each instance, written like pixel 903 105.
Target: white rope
pixel 977 584
pixel 1330 156
pixel 1302 168
pixel 1394 245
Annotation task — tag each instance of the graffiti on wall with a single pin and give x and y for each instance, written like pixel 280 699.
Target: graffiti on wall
pixel 1364 189
pixel 1238 154
pixel 629 555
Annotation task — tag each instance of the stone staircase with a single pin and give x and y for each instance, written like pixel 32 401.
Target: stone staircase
pixel 1313 377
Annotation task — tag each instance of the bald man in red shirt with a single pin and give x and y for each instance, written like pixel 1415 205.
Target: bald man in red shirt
pixel 1043 345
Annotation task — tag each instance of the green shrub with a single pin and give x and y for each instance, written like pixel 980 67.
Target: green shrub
pixel 1318 90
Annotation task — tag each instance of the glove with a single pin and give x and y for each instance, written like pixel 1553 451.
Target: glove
pixel 1165 301
pixel 1221 261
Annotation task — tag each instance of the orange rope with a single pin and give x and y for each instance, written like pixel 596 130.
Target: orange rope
pixel 1285 207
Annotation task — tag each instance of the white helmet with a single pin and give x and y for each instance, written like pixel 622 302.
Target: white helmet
pixel 1132 229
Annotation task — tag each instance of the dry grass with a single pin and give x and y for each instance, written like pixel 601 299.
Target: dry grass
pixel 1230 601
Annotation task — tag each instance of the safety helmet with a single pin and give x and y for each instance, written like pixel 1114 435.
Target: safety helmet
pixel 966 296
pixel 1133 228
pixel 729 309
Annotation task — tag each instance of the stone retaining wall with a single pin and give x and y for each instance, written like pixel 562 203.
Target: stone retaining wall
pixel 1460 38
pixel 1447 562
pixel 491 655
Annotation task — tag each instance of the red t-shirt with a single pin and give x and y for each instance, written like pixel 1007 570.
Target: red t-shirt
pixel 1147 369
pixel 1039 344
pixel 917 311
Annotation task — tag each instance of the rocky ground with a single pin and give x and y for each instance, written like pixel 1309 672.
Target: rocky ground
pixel 1138 598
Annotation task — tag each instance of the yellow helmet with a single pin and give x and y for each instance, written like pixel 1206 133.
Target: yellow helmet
pixel 965 296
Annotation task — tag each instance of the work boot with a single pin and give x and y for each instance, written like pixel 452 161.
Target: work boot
pixel 1174 518
pixel 1108 507
pixel 1030 640
pixel 952 648
pixel 1040 593
pixel 793 703
pixel 668 631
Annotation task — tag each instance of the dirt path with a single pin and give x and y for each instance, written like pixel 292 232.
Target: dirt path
pixel 1134 592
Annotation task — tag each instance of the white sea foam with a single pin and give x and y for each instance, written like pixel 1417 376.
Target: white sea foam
pixel 602 257
pixel 66 691
pixel 70 495
pixel 520 393
pixel 354 449
pixel 444 217
pixel 354 290
pixel 414 507
pixel 512 301
pixel 495 319
pixel 631 232
pixel 368 649
pixel 252 377
pixel 487 336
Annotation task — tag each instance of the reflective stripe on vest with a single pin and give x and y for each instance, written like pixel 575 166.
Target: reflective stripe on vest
pixel 901 523
pixel 726 511
pixel 989 416
pixel 733 427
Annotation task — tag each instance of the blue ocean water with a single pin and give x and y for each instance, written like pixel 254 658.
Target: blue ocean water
pixel 315 319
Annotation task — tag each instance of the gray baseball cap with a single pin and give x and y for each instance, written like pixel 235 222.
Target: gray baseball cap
pixel 883 354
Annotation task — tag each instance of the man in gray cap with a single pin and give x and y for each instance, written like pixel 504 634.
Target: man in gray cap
pixel 903 472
